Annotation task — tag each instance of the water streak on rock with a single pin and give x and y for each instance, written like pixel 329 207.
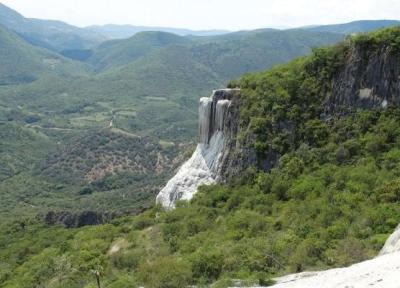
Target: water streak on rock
pixel 202 167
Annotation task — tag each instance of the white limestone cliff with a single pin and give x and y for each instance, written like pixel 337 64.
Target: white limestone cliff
pixel 202 167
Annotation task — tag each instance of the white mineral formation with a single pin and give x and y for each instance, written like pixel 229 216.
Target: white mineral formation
pixel 202 167
pixel 392 243
pixel 380 272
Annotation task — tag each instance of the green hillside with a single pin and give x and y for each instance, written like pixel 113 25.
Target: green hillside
pixel 120 52
pixel 49 34
pixel 227 55
pixel 104 170
pixel 331 201
pixel 235 54
pixel 20 149
pixel 24 63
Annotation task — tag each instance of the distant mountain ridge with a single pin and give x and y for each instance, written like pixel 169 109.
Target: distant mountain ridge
pixel 77 43
pixel 50 34
pixel 114 31
pixel 355 26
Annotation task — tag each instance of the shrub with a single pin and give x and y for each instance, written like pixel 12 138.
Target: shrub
pixel 166 272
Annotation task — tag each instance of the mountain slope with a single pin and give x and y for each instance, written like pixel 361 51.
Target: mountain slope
pixel 50 34
pixel 238 53
pixel 228 55
pixel 21 62
pixel 119 53
pixel 113 31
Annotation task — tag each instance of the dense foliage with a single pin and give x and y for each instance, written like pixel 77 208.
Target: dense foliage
pixel 102 170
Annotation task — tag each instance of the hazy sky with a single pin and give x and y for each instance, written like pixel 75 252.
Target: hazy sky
pixel 208 14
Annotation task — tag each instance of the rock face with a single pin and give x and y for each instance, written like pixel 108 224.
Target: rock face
pixel 78 219
pixel 368 79
pixel 218 124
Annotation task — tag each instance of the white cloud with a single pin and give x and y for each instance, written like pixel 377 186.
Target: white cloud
pixel 208 14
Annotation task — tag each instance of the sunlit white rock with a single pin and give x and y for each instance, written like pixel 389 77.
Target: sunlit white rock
pixel 202 167
pixel 380 272
pixel 392 243
pixel 205 119
pixel 198 170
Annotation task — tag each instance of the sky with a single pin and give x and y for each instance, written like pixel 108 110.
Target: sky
pixel 208 14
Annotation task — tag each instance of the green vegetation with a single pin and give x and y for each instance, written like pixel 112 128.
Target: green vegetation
pixel 103 170
pixel 331 200
pixel 120 52
pixel 53 35
pixel 23 63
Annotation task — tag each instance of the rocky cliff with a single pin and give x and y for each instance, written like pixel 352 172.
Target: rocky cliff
pixel 218 125
pixel 368 78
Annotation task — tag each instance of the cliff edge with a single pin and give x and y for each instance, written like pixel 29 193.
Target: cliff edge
pixel 217 131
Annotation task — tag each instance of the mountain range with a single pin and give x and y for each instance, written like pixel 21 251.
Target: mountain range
pixel 62 37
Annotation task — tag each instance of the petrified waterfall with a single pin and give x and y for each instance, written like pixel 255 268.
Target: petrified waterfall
pixel 202 167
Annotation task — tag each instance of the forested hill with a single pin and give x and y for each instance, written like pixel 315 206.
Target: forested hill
pixel 331 199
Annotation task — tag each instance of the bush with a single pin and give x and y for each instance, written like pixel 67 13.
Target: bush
pixel 207 264
pixel 166 272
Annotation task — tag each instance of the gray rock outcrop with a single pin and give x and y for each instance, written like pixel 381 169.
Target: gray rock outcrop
pixel 368 79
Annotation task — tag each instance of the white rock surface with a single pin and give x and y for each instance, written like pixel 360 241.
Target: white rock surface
pixel 380 272
pixel 202 167
pixel 198 170
pixel 392 243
